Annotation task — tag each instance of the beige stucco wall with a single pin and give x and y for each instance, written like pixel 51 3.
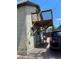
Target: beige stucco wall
pixel 30 39
pixel 21 29
pixel 25 42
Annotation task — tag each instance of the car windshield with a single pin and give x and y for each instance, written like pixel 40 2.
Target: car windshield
pixel 57 33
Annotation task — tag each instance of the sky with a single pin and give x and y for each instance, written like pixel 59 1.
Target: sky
pixel 55 5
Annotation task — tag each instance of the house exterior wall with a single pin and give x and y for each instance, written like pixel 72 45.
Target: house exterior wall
pixel 36 17
pixel 30 38
pixel 25 41
pixel 21 29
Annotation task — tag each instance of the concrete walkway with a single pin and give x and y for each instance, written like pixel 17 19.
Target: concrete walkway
pixel 43 52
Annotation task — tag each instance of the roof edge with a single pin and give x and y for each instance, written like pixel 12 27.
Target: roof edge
pixel 28 3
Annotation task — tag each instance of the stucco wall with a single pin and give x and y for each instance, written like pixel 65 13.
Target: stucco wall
pixel 21 29
pixel 30 39
pixel 25 41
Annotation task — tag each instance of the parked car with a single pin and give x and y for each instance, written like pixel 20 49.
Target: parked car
pixel 55 42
